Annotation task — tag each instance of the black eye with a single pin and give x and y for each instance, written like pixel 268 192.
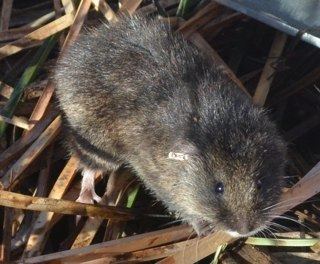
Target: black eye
pixel 219 188
pixel 259 185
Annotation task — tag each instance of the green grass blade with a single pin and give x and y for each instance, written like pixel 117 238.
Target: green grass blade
pixel 282 242
pixel 132 196
pixel 27 77
pixel 220 249
pixel 185 6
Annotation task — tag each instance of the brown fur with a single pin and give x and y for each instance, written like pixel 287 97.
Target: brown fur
pixel 133 93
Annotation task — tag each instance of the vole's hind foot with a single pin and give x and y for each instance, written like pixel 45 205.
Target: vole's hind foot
pixel 87 193
pixel 89 198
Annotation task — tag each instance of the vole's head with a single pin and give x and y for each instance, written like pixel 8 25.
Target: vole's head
pixel 231 172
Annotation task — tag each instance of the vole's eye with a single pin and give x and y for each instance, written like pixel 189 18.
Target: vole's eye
pixel 259 185
pixel 219 188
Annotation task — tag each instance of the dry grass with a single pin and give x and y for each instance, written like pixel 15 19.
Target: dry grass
pixel 274 69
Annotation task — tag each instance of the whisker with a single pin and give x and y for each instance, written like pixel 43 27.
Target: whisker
pixel 171 223
pixel 274 205
pixel 270 231
pixel 293 220
pixel 281 227
pixel 286 202
pixel 197 247
pixel 262 232
pixel 185 246
pixel 270 224
pixel 266 231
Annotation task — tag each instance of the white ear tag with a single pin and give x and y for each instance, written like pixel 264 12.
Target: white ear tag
pixel 178 156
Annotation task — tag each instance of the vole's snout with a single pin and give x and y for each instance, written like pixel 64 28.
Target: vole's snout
pixel 246 224
pixel 243 227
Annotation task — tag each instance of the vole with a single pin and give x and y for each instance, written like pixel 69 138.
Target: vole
pixel 135 93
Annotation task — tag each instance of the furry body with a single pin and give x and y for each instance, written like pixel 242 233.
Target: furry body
pixel 133 93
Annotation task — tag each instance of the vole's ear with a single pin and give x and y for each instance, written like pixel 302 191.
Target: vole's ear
pixel 182 150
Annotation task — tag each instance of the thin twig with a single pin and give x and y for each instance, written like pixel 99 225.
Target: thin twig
pixel 16 200
pixel 68 6
pixel 5 14
pixel 269 69
pixel 105 9
pixel 129 6
pixel 33 151
pixel 16 121
pixel 123 245
pixel 39 230
pixel 5 90
pixel 79 18
pixel 202 17
pixel 46 96
pixel 15 149
pixel 36 36
pixel 6 238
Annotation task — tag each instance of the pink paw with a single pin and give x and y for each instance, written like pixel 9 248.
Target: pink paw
pixel 87 193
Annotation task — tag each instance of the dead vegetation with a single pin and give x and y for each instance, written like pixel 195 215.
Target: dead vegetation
pixel 276 70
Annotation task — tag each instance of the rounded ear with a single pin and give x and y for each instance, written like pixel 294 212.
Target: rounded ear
pixel 182 150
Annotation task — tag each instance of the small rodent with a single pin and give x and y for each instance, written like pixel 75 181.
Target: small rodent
pixel 134 93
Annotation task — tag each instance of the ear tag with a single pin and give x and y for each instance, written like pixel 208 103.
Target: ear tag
pixel 178 156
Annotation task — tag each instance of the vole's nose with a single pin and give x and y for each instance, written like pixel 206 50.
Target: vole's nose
pixel 242 225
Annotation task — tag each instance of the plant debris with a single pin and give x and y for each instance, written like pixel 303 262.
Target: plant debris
pixel 40 181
